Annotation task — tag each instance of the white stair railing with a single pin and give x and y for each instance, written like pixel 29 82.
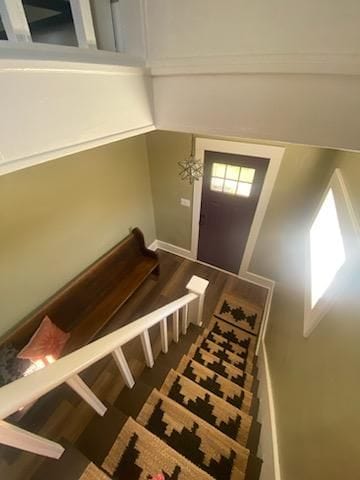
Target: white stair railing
pixel 28 389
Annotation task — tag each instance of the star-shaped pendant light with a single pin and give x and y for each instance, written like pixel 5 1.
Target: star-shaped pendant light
pixel 191 169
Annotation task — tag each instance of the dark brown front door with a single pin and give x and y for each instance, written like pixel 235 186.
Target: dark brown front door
pixel 231 190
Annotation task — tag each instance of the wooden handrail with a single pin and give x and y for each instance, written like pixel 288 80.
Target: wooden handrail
pixel 27 389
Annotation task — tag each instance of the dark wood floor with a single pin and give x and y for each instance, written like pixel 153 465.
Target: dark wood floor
pixel 61 415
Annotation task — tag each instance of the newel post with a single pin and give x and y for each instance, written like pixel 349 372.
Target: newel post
pixel 198 286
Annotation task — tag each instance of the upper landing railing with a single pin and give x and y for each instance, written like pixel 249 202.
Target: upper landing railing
pixel 85 24
pixel 27 389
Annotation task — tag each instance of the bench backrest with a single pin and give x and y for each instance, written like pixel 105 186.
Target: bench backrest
pixel 76 301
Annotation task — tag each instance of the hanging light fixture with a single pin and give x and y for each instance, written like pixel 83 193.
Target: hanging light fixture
pixel 191 169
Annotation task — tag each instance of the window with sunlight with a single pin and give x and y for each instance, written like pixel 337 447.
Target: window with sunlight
pixel 327 251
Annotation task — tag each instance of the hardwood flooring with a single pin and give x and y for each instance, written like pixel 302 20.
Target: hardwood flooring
pixel 61 415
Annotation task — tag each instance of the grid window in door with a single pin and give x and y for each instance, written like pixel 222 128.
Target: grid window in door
pixel 232 179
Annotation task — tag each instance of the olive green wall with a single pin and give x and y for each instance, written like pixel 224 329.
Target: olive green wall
pixel 315 380
pixel 173 221
pixel 58 217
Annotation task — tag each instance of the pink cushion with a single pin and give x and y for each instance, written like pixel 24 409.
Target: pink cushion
pixel 47 340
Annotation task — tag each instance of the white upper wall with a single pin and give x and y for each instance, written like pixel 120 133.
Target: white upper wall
pixel 201 28
pixel 50 109
pixel 277 69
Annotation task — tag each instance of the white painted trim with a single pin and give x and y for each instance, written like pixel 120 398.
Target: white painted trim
pixel 14 165
pixel 153 246
pixel 267 412
pixel 168 247
pixel 16 437
pixel 14 20
pixel 350 231
pixel 321 64
pixel 274 154
pixel 83 23
pixel 79 386
pixel 44 51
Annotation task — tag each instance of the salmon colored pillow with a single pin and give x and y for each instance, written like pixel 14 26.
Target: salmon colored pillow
pixel 47 340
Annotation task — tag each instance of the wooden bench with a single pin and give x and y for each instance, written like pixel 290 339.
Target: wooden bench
pixel 89 301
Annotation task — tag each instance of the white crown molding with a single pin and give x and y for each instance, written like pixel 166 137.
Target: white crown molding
pixel 14 165
pixel 335 64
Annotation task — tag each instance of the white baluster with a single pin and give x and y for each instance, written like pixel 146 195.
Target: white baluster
pixel 175 320
pixel 83 22
pixel 14 20
pixel 184 318
pixel 18 438
pixel 146 344
pixel 121 362
pixel 198 285
pixel 80 387
pixel 164 335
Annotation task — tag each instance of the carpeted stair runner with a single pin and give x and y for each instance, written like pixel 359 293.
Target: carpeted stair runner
pixel 93 473
pixel 228 419
pixel 198 441
pixel 225 355
pixel 239 312
pixel 196 424
pixel 227 344
pixel 215 383
pixel 137 454
pixel 233 334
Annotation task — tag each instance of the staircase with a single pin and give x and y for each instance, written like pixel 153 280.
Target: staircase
pixel 191 416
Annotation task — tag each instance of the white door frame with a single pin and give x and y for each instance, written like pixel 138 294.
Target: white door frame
pixel 275 154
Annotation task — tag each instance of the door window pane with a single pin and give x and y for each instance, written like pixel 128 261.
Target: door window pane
pixel 218 170
pixel 232 179
pixel 232 172
pixel 247 174
pixel 243 189
pixel 230 186
pixel 217 184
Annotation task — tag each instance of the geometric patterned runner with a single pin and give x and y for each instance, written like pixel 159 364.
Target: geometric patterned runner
pixel 224 354
pixel 212 451
pixel 216 384
pixel 235 375
pixel 93 473
pixel 214 410
pixel 226 344
pixel 137 454
pixel 239 312
pixel 233 334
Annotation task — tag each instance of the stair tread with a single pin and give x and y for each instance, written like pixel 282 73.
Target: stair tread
pixel 239 312
pixel 215 383
pixel 217 412
pixel 195 439
pixel 137 453
pixel 232 333
pixel 220 352
pixel 228 371
pixel 225 343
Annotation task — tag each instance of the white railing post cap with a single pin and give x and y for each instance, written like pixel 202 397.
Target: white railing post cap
pixel 197 285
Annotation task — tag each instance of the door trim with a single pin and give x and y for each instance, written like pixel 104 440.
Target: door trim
pixel 275 154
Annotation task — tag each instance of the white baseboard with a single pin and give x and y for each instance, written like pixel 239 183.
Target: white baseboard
pixel 268 446
pixel 168 247
pixel 268 439
pixel 153 246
